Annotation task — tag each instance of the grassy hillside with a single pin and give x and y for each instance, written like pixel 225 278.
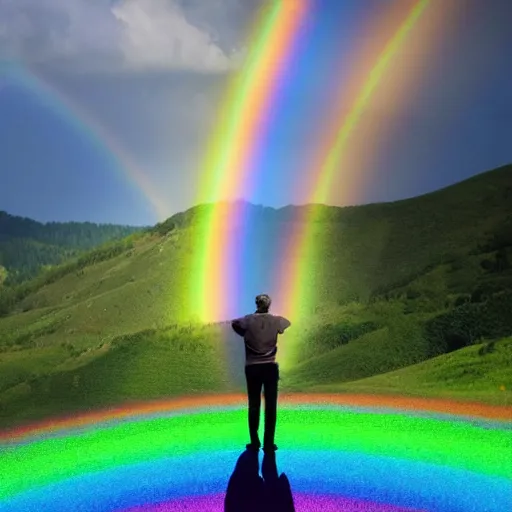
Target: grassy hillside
pixel 152 364
pixel 374 247
pixel 407 281
pixel 480 372
pixel 27 246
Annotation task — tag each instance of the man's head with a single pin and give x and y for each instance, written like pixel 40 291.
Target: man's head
pixel 263 302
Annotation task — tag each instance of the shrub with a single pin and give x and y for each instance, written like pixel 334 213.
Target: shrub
pixel 331 336
pixel 468 323
pixel 462 299
pixel 487 289
pixel 487 348
pixel 164 227
pixel 487 265
pixel 412 294
pixel 456 265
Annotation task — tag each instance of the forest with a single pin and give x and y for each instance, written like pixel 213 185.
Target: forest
pixel 28 246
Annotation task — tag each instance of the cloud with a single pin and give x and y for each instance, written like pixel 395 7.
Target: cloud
pixel 134 35
pixel 157 35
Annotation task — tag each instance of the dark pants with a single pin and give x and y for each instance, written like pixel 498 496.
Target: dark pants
pixel 264 375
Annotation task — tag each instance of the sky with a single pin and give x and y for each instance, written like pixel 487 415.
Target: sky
pixel 107 106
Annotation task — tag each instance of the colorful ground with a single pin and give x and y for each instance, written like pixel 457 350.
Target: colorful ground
pixel 339 452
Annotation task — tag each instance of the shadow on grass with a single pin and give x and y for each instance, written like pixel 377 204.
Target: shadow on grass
pixel 247 491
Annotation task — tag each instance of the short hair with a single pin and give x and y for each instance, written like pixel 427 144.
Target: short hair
pixel 263 301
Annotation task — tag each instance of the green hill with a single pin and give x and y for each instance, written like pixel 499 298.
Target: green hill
pixel 375 247
pixel 148 365
pixel 407 282
pixel 480 372
pixel 27 246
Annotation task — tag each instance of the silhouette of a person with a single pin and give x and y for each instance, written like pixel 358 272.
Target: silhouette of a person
pixel 260 331
pixel 277 491
pixel 247 491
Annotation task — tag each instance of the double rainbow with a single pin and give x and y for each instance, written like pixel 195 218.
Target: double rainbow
pixel 231 162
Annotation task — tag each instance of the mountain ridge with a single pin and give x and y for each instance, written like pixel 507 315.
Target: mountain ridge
pixel 394 285
pixel 27 245
pixel 501 176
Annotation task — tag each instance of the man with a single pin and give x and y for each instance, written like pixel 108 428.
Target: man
pixel 260 331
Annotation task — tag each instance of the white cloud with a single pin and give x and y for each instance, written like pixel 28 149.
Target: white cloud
pixel 138 35
pixel 156 34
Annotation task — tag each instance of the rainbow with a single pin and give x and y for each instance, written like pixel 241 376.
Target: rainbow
pixel 344 453
pixel 297 292
pixel 78 118
pixel 232 153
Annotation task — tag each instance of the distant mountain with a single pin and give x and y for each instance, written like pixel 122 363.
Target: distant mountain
pixel 26 246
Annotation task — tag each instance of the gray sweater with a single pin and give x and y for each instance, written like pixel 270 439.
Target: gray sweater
pixel 260 331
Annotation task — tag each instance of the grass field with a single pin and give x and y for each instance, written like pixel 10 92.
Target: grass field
pixel 477 373
pixel 149 365
pixel 412 291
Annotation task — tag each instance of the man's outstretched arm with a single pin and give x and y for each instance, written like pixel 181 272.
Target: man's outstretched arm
pixel 238 326
pixel 284 323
